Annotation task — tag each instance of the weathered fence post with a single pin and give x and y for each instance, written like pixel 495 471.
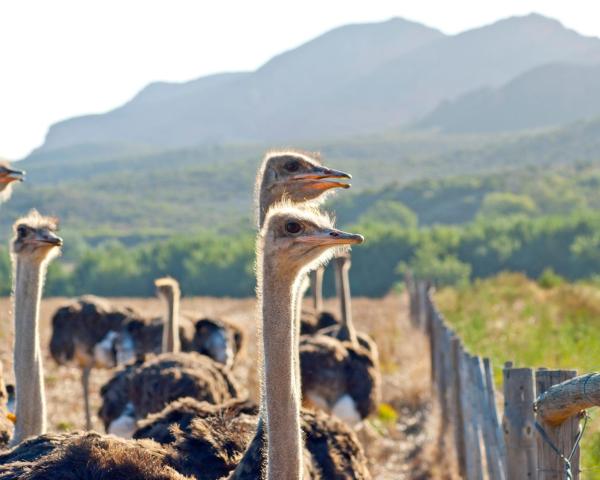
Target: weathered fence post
pixel 561 436
pixel 488 429
pixel 519 424
pixel 459 432
pixel 473 466
pixel 493 417
pixel 422 308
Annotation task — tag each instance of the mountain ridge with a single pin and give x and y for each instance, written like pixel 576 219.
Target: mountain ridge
pixel 355 79
pixel 535 99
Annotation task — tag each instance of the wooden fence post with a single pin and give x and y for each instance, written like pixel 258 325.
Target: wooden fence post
pixel 459 435
pixel 563 435
pixel 474 468
pixel 488 429
pixel 422 318
pixel 518 424
pixel 493 418
pixel 447 376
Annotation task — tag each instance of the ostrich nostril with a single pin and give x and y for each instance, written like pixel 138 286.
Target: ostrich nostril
pixel 334 234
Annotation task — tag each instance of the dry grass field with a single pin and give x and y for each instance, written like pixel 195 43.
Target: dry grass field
pixel 400 442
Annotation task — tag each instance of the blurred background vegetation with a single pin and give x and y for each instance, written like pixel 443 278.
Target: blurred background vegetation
pixel 454 229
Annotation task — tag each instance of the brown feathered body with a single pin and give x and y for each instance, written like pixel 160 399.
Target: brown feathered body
pixel 88 456
pixel 230 438
pixel 150 385
pixel 332 369
pixel 79 326
pixel 207 442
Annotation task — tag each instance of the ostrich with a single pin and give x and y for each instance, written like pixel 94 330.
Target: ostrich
pixel 339 366
pixel 291 240
pixel 34 245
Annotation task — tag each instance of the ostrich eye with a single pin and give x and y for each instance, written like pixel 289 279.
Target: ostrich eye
pixel 292 166
pixel 293 227
pixel 21 231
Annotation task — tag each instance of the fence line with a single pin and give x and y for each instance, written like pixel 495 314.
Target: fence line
pixel 540 431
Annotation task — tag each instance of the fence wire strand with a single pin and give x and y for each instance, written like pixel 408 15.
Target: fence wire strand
pixel 568 471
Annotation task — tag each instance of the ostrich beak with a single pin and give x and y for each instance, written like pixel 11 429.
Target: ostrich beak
pixel 8 175
pixel 50 238
pixel 332 236
pixel 320 178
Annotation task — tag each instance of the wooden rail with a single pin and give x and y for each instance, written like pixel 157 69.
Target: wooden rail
pixel 541 416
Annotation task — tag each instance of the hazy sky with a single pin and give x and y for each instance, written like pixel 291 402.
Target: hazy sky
pixel 61 58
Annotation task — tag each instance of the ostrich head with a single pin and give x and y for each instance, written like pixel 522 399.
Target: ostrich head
pixel 7 177
pixel 166 287
pixel 35 238
pixel 296 177
pixel 301 239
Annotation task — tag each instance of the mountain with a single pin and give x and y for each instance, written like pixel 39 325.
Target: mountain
pixel 239 107
pixel 546 96
pixel 353 80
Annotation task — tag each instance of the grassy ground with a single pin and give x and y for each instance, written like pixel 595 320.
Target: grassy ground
pixel 398 441
pixel 511 318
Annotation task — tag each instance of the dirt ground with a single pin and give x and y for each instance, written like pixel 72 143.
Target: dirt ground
pixel 399 442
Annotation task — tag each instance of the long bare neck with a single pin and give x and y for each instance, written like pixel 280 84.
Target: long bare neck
pixel 281 394
pixel 316 285
pixel 30 396
pixel 170 341
pixel 264 202
pixel 347 331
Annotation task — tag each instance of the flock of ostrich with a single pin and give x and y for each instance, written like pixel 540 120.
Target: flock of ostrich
pixel 173 408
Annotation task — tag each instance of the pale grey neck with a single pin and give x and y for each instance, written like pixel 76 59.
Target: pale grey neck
pixel 264 202
pixel 347 331
pixel 281 399
pixel 316 285
pixel 29 374
pixel 171 342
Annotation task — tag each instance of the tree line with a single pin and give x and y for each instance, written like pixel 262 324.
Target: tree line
pixel 213 264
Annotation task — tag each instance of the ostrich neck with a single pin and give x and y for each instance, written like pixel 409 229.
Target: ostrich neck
pixel 347 331
pixel 170 341
pixel 30 397
pixel 264 202
pixel 281 393
pixel 316 282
